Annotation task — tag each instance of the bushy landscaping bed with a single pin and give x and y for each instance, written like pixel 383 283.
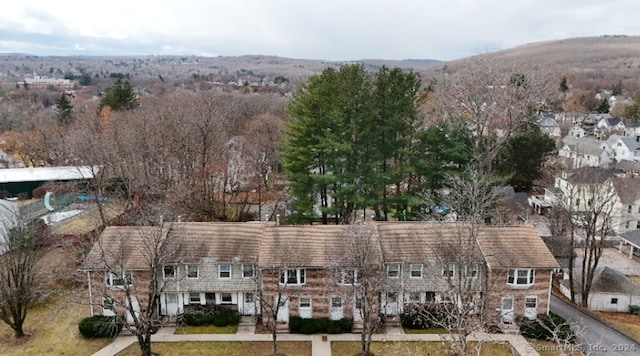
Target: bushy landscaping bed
pixel 547 327
pixel 424 316
pixel 210 318
pixel 99 326
pixel 322 325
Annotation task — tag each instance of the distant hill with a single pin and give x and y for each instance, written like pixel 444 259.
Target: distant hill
pixel 591 62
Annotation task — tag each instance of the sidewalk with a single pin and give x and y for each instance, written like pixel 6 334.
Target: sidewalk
pixel 318 346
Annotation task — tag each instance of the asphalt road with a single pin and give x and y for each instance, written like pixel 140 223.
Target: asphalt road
pixel 596 337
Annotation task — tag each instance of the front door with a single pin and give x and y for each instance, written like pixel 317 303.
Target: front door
pixel 336 308
pixel 506 312
pixel 391 303
pixel 283 311
pixel 173 307
pixel 136 309
pixel 248 304
pixel 357 309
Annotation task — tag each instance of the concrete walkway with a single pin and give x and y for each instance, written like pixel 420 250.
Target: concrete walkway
pixel 319 345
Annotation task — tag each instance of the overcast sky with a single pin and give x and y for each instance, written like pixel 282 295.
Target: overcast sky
pixel 309 29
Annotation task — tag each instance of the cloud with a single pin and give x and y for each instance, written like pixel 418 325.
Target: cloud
pixel 329 29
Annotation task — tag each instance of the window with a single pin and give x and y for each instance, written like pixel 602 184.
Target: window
pixel 626 225
pixel 349 276
pixel 248 298
pixel 430 296
pixel 472 271
pixel 392 297
pixel 336 302
pixel 194 298
pixel 305 302
pixel 226 298
pixel 224 271
pixel 449 271
pixel 521 277
pixel 192 271
pixel 577 202
pixel 416 271
pixel 638 224
pixel 531 302
pixel 107 303
pixel 119 280
pixel 169 271
pixel 413 297
pixel 614 300
pixel 292 276
pixel 247 271
pixel 393 270
pixel 629 209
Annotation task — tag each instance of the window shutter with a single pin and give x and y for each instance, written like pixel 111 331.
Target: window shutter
pixel 203 301
pixel 186 298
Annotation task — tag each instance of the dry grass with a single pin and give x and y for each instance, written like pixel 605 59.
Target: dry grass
pixel 53 329
pixel 223 348
pixel 630 324
pixel 426 331
pixel 52 325
pixel 209 329
pixel 416 348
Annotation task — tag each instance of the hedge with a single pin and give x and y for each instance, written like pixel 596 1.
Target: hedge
pixel 99 326
pixel 220 319
pixel 634 309
pixel 320 325
pixel 544 326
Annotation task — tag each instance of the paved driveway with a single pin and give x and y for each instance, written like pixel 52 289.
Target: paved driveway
pixel 596 337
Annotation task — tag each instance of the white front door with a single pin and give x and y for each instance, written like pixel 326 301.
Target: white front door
pixel 172 305
pixel 391 303
pixel 531 307
pixel 283 311
pixel 248 304
pixel 357 309
pixel 506 312
pixel 136 310
pixel 336 312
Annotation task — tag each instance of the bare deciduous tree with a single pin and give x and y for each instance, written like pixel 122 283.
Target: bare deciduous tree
pixel 21 275
pixel 125 273
pixel 359 269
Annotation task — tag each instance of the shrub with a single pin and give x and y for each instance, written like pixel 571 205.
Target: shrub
pixel 309 326
pixel 295 322
pixel 198 319
pixel 99 326
pixel 424 316
pixel 634 309
pixel 345 325
pixel 323 324
pixel 545 326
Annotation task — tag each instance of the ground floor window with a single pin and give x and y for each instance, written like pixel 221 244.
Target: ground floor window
pixel 194 298
pixel 226 298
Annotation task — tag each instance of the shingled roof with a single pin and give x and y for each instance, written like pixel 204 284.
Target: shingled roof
pixel 301 245
pixel 224 242
pixel 121 247
pixel 514 247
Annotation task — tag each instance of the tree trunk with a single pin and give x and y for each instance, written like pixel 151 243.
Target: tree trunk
pixel 18 332
pixel 145 347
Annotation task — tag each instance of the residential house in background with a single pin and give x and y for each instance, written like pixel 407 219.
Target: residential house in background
pixel 584 152
pixel 625 148
pixel 608 126
pixel 626 210
pixel 576 131
pixel 611 290
pixel 549 125
pixel 632 128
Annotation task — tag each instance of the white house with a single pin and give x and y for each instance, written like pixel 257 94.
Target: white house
pixel 584 152
pixel 611 291
pixel 624 147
